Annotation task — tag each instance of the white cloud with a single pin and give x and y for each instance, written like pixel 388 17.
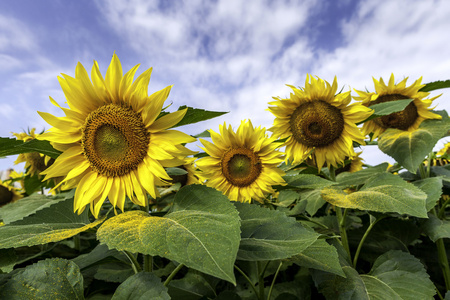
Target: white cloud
pixel 14 35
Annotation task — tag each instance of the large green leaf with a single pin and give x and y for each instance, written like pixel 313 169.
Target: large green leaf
pixel 307 181
pixel 360 177
pixel 436 228
pixel 142 286
pixel 53 278
pixel 398 275
pixel 51 224
pixel 194 115
pixel 321 256
pixel 10 146
pixel 435 85
pixel 432 186
pixel 387 108
pixel 383 193
pixel 409 148
pixel 270 234
pixel 201 232
pixel 26 206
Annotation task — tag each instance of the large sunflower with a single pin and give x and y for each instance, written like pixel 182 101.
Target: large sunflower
pixel 243 165
pixel 408 119
pixel 316 119
pixel 114 145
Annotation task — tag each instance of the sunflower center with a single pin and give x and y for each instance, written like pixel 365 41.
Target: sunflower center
pixel 241 166
pixel 402 119
pixel 316 124
pixel 114 140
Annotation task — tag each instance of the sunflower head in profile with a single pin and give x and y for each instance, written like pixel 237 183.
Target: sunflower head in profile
pixel 35 162
pixel 115 143
pixel 8 192
pixel 409 118
pixel 242 164
pixel 317 120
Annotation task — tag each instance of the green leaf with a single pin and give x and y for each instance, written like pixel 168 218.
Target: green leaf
pixel 383 193
pixel 10 146
pixel 321 256
pixel 191 287
pixel 52 224
pixel 175 171
pixel 398 275
pixel 286 198
pixel 29 205
pixel 313 199
pixel 436 228
pixel 142 286
pixel 114 271
pixel 307 181
pixel 53 278
pixel 360 177
pixel 201 232
pixel 8 259
pixel 409 148
pixel 350 287
pixel 270 234
pixel 194 115
pixel 435 85
pixel 387 108
pixel 432 186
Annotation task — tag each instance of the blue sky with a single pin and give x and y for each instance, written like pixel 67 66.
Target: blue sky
pixel 224 55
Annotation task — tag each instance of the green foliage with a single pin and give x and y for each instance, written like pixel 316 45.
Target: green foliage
pixel 142 286
pixel 51 224
pixel 436 228
pixel 435 85
pixel 387 108
pixel 53 278
pixel 198 232
pixel 409 148
pixel 194 115
pixel 269 234
pixel 382 193
pixel 10 146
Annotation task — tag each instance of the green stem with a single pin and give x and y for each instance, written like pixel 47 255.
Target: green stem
pixel 443 260
pixel 172 275
pixel 246 278
pixel 260 273
pixel 76 242
pixel 332 173
pixel 134 263
pixel 273 281
pixel 148 263
pixel 441 214
pixel 342 231
pixel 423 174
pixel 361 242
pixel 429 164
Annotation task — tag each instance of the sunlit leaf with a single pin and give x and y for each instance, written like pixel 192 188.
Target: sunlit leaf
pixel 53 278
pixel 51 224
pixel 360 177
pixel 270 234
pixel 409 148
pixel 436 228
pixel 383 193
pixel 307 181
pixel 201 232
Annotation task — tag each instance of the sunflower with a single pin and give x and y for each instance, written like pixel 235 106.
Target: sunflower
pixel 192 175
pixel 35 162
pixel 242 165
pixel 8 193
pixel 317 120
pixel 353 165
pixel 115 143
pixel 409 118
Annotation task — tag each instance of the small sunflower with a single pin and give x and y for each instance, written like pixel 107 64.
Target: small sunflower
pixel 35 162
pixel 242 165
pixel 192 175
pixel 316 118
pixel 355 164
pixel 114 141
pixel 408 119
pixel 8 193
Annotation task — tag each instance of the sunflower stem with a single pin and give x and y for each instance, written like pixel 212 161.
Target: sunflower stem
pixel 443 260
pixel 423 174
pixel 273 281
pixel 260 273
pixel 361 242
pixel 342 230
pixel 172 275
pixel 134 263
pixel 246 278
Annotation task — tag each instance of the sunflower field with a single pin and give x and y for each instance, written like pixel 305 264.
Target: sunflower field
pixel 114 203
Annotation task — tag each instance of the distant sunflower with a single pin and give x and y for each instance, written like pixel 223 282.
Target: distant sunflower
pixel 8 193
pixel 114 143
pixel 242 165
pixel 192 175
pixel 316 118
pixel 408 119
pixel 355 164
pixel 35 162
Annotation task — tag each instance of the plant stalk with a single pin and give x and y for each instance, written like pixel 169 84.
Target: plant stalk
pixel 273 281
pixel 246 278
pixel 361 242
pixel 342 230
pixel 260 273
pixel 443 259
pixel 172 275
pixel 134 263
